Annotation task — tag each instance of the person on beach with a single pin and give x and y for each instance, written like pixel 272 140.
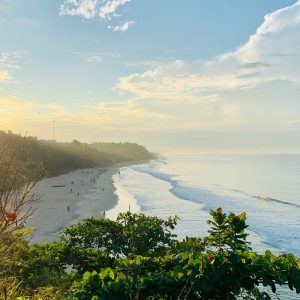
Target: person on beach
pixel 24 224
pixel 68 208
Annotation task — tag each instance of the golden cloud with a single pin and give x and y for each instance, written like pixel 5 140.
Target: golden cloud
pixel 4 76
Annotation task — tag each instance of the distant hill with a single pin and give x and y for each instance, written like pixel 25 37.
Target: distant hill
pixel 119 152
pixel 32 154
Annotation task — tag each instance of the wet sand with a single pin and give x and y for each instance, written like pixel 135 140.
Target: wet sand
pixel 69 198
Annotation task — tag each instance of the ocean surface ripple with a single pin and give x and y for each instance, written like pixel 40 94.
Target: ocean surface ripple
pixel 266 187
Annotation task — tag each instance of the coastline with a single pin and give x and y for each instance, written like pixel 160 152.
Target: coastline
pixel 66 199
pixel 104 194
pixel 134 187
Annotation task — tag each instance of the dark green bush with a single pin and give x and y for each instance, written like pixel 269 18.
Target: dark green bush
pixel 219 267
pixel 138 257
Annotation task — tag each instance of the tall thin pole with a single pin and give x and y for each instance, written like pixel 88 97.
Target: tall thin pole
pixel 53 130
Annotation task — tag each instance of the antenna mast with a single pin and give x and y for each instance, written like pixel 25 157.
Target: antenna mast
pixel 53 130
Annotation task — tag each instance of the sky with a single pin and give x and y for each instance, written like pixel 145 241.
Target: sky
pixel 197 76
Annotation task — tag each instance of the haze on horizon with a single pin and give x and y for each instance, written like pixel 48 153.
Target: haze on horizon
pixel 186 76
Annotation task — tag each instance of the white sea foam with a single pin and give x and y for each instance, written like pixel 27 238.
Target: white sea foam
pixel 174 185
pixel 265 187
pixel 126 201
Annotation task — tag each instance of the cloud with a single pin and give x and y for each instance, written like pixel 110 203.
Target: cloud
pixel 4 76
pixel 9 61
pixel 110 7
pixel 122 27
pixel 23 21
pixel 109 117
pixel 96 57
pixel 254 90
pixel 254 64
pixel 91 57
pixel 84 8
pixel 88 9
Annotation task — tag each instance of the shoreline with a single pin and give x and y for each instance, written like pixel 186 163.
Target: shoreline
pixel 104 194
pixel 69 198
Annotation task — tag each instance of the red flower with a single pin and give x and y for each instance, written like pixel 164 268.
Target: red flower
pixel 210 257
pixel 10 216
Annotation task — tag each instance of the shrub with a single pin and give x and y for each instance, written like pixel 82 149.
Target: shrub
pixel 225 269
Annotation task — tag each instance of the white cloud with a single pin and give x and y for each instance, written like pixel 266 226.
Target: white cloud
pixel 253 89
pixel 90 57
pixel 110 7
pixel 9 61
pixel 4 76
pixel 271 54
pixel 84 8
pixel 110 117
pixel 96 57
pixel 23 21
pixel 88 9
pixel 122 27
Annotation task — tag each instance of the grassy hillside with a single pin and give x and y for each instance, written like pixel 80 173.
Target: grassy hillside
pixel 32 154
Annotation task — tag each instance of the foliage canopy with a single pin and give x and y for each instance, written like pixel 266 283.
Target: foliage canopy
pixel 138 257
pixel 59 158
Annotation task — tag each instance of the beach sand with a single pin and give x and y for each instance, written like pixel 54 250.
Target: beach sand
pixel 79 194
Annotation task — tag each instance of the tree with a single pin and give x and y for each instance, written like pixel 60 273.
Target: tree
pixel 221 267
pixel 16 199
pixel 95 243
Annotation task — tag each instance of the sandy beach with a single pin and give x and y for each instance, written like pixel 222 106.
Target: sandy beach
pixel 69 198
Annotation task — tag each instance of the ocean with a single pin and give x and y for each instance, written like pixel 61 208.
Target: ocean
pixel 267 187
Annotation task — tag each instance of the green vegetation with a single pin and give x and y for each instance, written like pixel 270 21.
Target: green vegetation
pixel 33 155
pixel 138 257
pixel 123 151
pixel 134 257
